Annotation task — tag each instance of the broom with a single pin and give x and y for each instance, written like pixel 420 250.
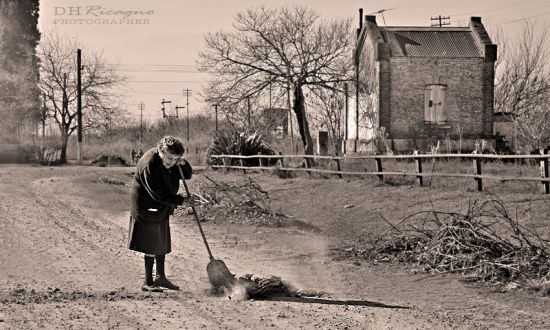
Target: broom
pixel 218 273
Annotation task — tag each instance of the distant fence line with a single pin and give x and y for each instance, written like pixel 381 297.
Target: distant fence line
pixel 280 163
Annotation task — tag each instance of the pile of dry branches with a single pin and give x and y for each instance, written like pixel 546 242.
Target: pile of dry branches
pixel 485 242
pixel 239 201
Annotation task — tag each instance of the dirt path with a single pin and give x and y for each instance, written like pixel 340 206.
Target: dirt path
pixel 64 264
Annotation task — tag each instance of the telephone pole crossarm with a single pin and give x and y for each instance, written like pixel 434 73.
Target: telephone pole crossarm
pixel 440 19
pixel 177 108
pixel 163 109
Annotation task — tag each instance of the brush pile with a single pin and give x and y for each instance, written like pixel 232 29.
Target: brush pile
pixel 241 201
pixel 485 242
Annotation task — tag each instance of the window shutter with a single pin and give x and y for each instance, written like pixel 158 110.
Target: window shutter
pixel 440 104
pixel 428 104
pixel 435 104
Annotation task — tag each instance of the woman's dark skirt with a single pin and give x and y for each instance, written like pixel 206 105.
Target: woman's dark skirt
pixel 150 237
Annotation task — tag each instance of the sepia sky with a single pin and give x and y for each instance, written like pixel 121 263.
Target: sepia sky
pixel 156 49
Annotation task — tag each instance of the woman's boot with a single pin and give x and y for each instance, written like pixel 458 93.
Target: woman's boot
pixel 160 279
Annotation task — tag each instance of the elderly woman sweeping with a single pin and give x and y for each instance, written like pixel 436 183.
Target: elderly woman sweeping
pixel 154 196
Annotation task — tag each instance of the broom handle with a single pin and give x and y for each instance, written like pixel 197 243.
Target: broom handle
pixel 195 214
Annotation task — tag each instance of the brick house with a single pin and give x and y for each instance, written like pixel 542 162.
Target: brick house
pixel 419 87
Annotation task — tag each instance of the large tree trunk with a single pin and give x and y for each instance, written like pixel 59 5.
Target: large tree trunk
pixel 303 126
pixel 64 143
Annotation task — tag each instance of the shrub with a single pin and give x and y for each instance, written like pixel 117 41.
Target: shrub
pixel 234 143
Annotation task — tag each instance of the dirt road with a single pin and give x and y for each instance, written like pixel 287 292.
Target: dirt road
pixel 64 264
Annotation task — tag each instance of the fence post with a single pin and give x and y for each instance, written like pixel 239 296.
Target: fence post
pixel 477 171
pixel 307 167
pixel 338 168
pixel 419 178
pixel 260 161
pixel 242 164
pixel 225 164
pixel 379 168
pixel 544 171
pixel 281 161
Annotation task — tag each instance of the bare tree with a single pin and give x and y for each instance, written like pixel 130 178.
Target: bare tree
pixel 58 83
pixel 329 106
pixel 277 49
pixel 533 127
pixel 522 88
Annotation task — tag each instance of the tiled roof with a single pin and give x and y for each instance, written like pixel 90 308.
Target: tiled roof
pixel 432 42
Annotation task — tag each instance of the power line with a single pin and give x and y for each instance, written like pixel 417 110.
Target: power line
pixel 159 69
pixel 522 3
pixel 521 19
pixel 144 115
pixel 163 71
pixel 152 93
pixel 161 66
pixel 156 64
pixel 166 81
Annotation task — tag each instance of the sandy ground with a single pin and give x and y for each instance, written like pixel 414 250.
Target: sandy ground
pixel 64 261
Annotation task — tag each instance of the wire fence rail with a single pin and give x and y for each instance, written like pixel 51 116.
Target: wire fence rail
pixel 306 163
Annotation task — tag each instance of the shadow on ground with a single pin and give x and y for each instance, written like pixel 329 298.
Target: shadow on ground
pixel 310 300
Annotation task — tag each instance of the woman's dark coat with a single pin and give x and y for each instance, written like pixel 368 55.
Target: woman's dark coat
pixel 153 199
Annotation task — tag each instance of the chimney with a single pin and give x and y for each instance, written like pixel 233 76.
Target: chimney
pixel 360 22
pixel 475 19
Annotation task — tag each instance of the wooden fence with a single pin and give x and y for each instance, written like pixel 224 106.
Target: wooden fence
pixel 281 163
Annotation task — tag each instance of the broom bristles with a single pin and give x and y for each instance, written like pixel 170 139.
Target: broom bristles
pixel 219 275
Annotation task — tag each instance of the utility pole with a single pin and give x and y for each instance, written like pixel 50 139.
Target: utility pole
pixel 43 128
pixel 163 109
pixel 140 107
pixel 216 105
pixel 270 92
pixel 290 115
pixel 79 104
pixel 177 112
pixel 187 93
pixel 346 102
pixel 248 107
pixel 440 19
pixel 356 143
pixel 65 103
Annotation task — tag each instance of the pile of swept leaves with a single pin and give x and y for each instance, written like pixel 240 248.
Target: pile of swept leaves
pixel 240 201
pixel 486 243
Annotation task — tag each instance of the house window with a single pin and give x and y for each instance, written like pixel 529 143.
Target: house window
pixel 435 104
